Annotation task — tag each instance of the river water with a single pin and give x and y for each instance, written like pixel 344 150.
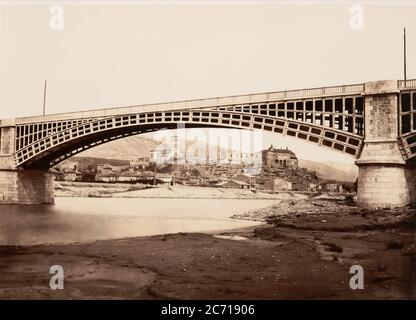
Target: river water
pixel 88 219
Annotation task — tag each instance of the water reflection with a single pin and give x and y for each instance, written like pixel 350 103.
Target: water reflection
pixel 87 219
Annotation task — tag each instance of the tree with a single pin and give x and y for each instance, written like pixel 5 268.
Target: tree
pixel 195 173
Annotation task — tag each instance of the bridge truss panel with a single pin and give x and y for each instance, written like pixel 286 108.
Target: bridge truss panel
pixel 407 121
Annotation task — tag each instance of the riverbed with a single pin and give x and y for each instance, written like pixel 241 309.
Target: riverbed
pixel 289 258
pixel 87 219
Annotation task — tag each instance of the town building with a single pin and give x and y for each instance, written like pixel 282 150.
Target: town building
pixel 140 163
pixel 277 184
pixel 248 179
pixel 68 166
pixel 273 158
pixel 72 176
pixel 333 187
pixel 106 169
pixel 233 184
pixel 106 178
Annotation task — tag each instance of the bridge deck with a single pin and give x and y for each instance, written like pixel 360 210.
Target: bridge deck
pixel 208 102
pixel 202 103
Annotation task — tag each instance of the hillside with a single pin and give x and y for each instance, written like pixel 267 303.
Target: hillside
pixel 85 162
pixel 332 170
pixel 124 149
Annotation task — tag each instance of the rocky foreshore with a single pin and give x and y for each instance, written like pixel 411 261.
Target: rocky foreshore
pixel 299 206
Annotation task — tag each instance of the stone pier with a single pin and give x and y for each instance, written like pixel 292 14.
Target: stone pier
pixel 385 180
pixel 21 186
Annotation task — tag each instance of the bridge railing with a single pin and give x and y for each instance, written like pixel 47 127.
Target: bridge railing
pixel 203 103
pixel 268 96
pixel 404 84
pixel 288 94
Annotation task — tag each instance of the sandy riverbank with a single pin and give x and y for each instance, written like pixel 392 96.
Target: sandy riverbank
pixel 304 255
pixel 94 190
pixel 80 189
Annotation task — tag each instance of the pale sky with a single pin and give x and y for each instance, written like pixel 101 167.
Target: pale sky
pixel 120 55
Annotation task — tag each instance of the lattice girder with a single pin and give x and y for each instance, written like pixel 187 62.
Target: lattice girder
pixel 62 138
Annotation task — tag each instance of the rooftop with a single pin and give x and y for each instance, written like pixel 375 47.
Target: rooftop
pixel 280 150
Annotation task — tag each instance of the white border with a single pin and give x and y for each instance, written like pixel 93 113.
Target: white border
pixel 390 3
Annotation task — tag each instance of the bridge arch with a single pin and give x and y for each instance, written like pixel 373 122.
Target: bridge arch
pixel 57 142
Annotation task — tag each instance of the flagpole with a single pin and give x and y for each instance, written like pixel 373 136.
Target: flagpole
pixel 44 99
pixel 404 55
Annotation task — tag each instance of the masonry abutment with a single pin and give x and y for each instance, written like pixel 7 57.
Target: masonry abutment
pixel 21 186
pixel 385 180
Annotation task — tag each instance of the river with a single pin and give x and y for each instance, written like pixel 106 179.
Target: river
pixel 89 219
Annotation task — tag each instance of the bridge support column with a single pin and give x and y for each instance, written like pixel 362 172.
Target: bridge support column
pixel 385 180
pixel 26 187
pixel 385 186
pixel 21 186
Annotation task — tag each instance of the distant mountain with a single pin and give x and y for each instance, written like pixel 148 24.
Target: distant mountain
pixel 123 149
pixel 85 162
pixel 133 147
pixel 331 170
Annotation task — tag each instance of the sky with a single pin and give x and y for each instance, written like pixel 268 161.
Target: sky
pixel 106 55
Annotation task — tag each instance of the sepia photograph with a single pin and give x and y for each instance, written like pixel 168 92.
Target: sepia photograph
pixel 207 150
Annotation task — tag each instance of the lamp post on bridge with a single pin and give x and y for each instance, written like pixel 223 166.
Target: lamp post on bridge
pixel 44 99
pixel 404 56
